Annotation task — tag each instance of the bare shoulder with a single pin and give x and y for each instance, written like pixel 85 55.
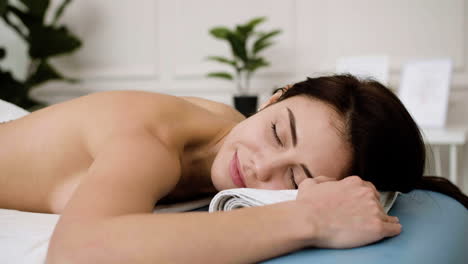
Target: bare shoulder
pixel 216 108
pixel 131 172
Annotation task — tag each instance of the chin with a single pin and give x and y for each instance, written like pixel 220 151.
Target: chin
pixel 217 183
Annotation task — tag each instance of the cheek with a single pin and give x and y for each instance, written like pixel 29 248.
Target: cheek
pixel 220 167
pixel 274 185
pixel 253 135
pixel 218 172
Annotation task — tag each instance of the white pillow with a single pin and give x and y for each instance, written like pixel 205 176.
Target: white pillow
pixel 24 236
pixel 9 111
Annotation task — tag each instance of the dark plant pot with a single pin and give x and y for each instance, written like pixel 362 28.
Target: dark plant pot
pixel 246 104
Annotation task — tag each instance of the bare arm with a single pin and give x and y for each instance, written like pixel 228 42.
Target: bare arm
pixel 109 220
pixel 240 236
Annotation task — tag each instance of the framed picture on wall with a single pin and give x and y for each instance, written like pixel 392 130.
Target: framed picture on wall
pixel 424 90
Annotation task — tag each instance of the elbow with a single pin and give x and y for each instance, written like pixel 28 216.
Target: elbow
pixel 77 252
pixel 85 250
pixel 59 254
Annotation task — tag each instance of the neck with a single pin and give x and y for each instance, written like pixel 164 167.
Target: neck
pixel 197 162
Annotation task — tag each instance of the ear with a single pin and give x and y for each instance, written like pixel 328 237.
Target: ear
pixel 274 98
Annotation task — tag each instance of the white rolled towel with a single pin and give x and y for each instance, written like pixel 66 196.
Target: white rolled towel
pixel 231 199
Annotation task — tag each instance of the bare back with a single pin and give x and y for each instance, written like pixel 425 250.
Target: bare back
pixel 44 155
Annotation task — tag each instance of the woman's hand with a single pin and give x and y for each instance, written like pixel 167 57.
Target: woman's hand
pixel 343 214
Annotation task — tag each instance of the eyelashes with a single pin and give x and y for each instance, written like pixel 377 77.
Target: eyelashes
pixel 275 134
pixel 278 140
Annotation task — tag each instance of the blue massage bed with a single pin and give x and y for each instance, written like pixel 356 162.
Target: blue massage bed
pixel 435 231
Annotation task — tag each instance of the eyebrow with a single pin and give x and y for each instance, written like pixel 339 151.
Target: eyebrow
pixel 292 125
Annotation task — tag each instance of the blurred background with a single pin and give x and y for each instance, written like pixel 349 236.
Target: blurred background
pixel 163 45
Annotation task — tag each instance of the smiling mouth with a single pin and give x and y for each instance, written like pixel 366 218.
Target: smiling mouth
pixel 236 174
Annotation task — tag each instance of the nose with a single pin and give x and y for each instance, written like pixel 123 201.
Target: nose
pixel 267 166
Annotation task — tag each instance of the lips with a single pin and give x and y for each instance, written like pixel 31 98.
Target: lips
pixel 236 174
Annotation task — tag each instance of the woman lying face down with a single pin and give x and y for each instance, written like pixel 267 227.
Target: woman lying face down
pixel 103 161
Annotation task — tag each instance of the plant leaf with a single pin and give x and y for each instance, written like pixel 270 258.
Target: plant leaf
pixel 37 8
pixel 221 75
pixel 238 46
pixel 222 60
pixel 3 7
pixel 220 32
pixel 2 53
pixel 256 63
pixel 245 30
pixel 11 90
pixel 48 41
pixel 263 37
pixel 44 72
pixel 29 21
pixel 255 21
pixel 59 11
pixel 260 46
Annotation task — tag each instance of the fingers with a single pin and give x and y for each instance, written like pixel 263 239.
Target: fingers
pixel 391 229
pixel 371 190
pixel 387 227
pixel 316 180
pixel 391 219
pixel 322 179
pixel 357 180
pixel 374 190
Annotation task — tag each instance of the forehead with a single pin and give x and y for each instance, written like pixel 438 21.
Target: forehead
pixel 320 136
pixel 311 112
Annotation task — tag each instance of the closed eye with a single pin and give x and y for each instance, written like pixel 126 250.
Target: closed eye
pixel 275 134
pixel 278 140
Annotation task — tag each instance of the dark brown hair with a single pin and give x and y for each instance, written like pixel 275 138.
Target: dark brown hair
pixel 387 146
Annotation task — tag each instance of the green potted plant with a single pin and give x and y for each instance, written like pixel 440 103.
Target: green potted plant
pixel 44 40
pixel 246 44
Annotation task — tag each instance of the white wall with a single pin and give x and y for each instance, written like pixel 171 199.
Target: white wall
pixel 160 45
